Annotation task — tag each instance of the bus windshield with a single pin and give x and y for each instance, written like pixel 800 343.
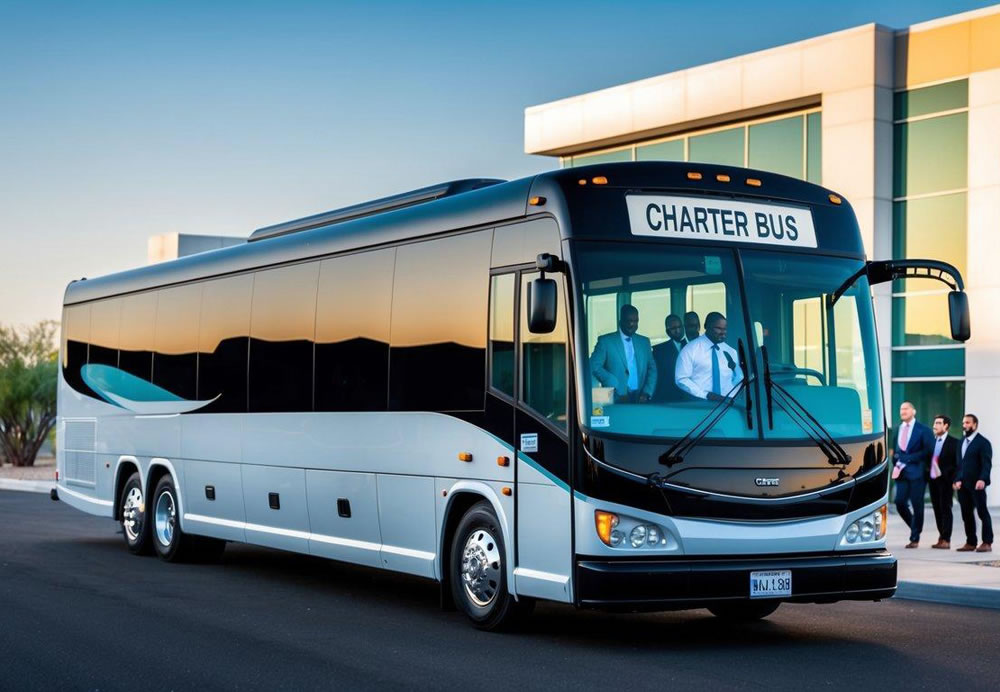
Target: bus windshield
pixel 657 316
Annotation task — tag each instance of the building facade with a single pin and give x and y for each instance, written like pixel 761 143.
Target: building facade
pixel 904 123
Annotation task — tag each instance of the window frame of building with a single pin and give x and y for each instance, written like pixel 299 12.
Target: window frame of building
pixel 901 290
pixel 811 115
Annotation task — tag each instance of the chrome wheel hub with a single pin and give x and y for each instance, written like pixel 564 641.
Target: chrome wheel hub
pixel 481 564
pixel 132 514
pixel 165 518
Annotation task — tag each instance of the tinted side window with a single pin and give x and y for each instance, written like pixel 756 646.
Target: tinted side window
pixel 224 335
pixel 502 333
pixel 138 322
pixel 175 363
pixel 75 338
pixel 353 306
pixel 439 316
pixel 543 361
pixel 105 323
pixel 282 326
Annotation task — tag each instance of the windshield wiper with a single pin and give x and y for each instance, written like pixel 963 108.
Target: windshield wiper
pixel 675 454
pixel 798 413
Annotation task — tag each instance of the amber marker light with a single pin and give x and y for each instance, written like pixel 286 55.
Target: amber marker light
pixel 884 511
pixel 605 522
pixel 506 491
pixel 582 181
pixel 722 178
pixel 599 180
pixel 694 175
pixel 835 198
pixel 503 461
pixel 465 456
pixel 753 182
pixel 536 201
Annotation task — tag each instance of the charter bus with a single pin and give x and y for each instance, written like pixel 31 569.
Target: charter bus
pixel 423 384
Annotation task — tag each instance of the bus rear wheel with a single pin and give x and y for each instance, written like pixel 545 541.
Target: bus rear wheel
pixel 170 542
pixel 132 510
pixel 744 611
pixel 478 571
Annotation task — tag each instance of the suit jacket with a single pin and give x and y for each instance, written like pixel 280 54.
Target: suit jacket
pixel 976 464
pixel 919 449
pixel 608 363
pixel 947 460
pixel 665 357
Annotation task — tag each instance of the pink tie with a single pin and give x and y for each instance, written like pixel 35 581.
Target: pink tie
pixel 904 436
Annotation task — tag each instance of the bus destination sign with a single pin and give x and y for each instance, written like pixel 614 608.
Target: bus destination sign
pixel 706 218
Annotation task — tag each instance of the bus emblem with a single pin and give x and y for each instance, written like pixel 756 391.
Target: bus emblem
pixel 763 482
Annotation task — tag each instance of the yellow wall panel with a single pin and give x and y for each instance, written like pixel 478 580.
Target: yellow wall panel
pixel 932 55
pixel 985 40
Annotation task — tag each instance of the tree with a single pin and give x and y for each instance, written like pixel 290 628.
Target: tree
pixel 28 375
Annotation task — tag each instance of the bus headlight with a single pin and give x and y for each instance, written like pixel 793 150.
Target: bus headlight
pixel 638 536
pixel 870 527
pixel 613 530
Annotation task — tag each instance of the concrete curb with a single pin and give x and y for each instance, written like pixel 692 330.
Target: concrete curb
pixel 972 596
pixel 26 486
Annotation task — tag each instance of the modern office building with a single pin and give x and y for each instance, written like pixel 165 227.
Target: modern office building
pixel 905 123
pixel 168 246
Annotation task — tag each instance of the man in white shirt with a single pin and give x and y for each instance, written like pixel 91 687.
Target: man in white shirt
pixel 707 368
pixel 624 360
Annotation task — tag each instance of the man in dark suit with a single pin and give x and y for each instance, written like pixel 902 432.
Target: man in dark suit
pixel 665 355
pixel 913 448
pixel 975 461
pixel 624 360
pixel 941 476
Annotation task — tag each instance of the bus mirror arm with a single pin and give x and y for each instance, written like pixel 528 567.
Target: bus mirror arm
pixel 549 263
pixel 889 270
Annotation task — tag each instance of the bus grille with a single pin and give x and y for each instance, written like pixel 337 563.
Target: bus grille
pixel 78 450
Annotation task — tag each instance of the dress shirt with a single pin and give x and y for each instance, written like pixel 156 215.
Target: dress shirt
pixel 968 441
pixel 633 376
pixel 693 372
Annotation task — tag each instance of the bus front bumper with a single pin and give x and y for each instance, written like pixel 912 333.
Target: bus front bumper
pixel 697 582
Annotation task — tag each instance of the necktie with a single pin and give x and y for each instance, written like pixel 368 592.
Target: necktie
pixel 904 436
pixel 935 467
pixel 716 377
pixel 965 446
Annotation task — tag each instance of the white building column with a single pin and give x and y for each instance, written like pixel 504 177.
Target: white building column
pixel 982 355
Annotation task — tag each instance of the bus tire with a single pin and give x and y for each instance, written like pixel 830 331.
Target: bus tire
pixel 478 571
pixel 133 514
pixel 743 611
pixel 172 544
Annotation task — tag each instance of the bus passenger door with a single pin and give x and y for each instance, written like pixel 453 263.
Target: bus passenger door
pixel 543 504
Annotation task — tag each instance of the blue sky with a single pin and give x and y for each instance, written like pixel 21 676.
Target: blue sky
pixel 121 120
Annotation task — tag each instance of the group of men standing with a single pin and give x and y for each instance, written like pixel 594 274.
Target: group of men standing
pixel 924 457
pixel 687 365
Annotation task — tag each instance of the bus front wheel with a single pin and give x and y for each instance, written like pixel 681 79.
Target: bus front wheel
pixel 478 571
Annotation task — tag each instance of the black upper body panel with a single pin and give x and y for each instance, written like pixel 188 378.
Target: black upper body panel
pixel 583 211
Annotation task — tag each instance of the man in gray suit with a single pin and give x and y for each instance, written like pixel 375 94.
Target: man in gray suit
pixel 624 360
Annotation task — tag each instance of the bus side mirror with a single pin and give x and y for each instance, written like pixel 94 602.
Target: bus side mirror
pixel 958 312
pixel 542 304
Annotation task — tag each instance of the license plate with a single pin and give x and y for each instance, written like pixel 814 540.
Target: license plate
pixel 771 584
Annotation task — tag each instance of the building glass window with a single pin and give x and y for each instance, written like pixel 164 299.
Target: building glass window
pixel 724 147
pixel 930 217
pixel 814 148
pixel 790 145
pixel 603 157
pixel 777 146
pixel 931 155
pixel 672 150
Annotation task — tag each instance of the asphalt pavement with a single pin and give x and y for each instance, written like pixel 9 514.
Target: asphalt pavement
pixel 77 611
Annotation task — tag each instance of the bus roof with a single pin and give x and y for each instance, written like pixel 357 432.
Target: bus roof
pixel 583 210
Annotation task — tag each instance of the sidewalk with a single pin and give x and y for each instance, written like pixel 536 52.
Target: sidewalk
pixel 945 576
pixel 39 478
